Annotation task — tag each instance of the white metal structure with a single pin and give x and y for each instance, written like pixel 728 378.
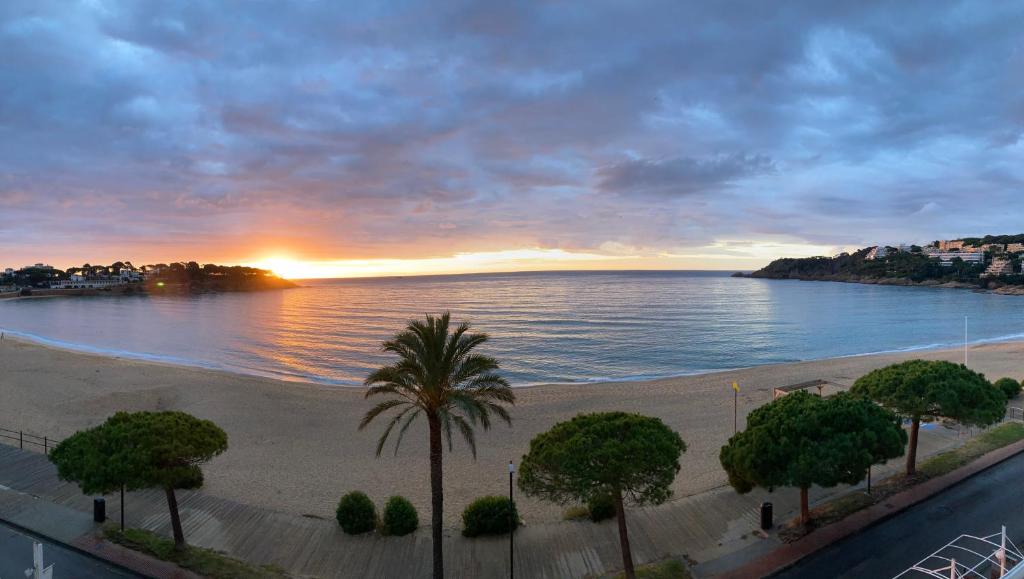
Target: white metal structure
pixel 970 557
pixel 38 571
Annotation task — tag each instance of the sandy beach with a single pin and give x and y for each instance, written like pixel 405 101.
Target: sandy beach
pixel 295 447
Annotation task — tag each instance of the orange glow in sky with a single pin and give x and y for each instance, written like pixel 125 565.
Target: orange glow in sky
pixel 722 255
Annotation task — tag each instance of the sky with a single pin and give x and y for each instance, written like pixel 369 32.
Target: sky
pixel 345 138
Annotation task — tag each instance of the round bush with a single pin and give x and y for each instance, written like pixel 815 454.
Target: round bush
pixel 489 516
pixel 400 517
pixel 356 513
pixel 600 508
pixel 1010 387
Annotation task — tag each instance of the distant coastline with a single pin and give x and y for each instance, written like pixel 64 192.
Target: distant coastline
pixel 991 264
pixel 1010 290
pixel 123 278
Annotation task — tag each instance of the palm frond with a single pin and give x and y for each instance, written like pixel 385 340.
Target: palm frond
pixel 438 373
pixel 387 431
pixel 467 433
pixel 378 410
pixel 405 426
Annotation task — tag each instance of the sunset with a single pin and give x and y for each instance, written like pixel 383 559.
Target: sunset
pixel 666 289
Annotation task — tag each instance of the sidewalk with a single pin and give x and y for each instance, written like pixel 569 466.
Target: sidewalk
pixel 76 530
pixel 715 525
pixel 789 554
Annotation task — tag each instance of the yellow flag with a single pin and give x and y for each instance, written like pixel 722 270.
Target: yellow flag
pixel 736 386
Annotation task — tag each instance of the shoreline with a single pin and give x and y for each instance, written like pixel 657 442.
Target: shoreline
pixel 173 362
pixel 295 446
pixel 1003 290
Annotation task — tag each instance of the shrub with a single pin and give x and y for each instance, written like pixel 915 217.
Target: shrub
pixel 601 507
pixel 1009 387
pixel 489 516
pixel 356 513
pixel 576 513
pixel 400 517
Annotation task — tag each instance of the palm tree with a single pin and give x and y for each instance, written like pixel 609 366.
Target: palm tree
pixel 438 375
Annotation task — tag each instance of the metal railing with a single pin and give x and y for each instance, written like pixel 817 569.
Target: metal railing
pixel 1012 413
pixel 22 438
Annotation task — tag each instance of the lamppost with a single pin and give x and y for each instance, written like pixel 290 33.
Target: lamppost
pixel 511 528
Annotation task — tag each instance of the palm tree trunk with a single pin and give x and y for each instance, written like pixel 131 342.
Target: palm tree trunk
pixel 805 507
pixel 627 553
pixel 172 504
pixel 436 496
pixel 915 425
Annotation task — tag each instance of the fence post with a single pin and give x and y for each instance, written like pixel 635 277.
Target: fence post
pixel 46 449
pixel 21 440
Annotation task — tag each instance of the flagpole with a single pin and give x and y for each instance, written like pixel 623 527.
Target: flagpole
pixel 735 406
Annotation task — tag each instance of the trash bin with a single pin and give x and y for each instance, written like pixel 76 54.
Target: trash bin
pixel 99 510
pixel 766 516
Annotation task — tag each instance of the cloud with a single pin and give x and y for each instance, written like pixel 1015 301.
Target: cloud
pixel 681 175
pixel 366 130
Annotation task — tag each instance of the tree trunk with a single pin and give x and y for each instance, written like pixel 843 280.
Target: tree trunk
pixel 805 507
pixel 179 535
pixel 915 425
pixel 436 496
pixel 627 554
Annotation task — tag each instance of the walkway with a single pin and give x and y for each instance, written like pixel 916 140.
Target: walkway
pixel 16 556
pixel 977 506
pixel 702 528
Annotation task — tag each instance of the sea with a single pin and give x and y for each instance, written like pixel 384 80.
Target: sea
pixel 548 327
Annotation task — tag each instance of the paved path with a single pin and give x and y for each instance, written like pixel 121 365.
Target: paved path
pixel 977 506
pixel 16 556
pixel 703 527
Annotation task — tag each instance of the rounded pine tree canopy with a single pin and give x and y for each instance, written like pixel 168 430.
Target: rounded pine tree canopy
pixel 603 454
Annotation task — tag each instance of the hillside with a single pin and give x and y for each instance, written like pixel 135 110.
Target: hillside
pixel 917 266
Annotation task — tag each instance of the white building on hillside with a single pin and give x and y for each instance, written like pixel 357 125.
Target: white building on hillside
pixel 82 282
pixel 877 252
pixel 946 257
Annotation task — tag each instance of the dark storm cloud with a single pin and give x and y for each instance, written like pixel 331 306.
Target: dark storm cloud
pixel 681 175
pixel 457 125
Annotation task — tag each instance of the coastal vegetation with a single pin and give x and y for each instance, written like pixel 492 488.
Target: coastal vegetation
pixel 491 515
pixel 800 440
pixel 187 276
pixel 438 375
pixel 606 454
pixel 142 450
pixel 991 262
pixel 671 569
pixel 915 267
pixel 929 390
pixel 205 562
pixel 356 514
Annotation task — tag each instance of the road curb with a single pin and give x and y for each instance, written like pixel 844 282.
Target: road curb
pixel 71 547
pixel 788 555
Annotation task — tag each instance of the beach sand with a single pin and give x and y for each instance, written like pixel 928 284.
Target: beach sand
pixel 295 447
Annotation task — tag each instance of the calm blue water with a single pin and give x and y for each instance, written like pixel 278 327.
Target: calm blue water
pixel 545 327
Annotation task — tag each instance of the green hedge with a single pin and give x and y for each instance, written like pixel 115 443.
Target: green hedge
pixel 400 517
pixel 489 516
pixel 356 513
pixel 601 507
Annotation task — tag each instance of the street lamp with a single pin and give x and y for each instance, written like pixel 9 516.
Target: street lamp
pixel 511 527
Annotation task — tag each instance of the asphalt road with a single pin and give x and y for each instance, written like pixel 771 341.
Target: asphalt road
pixel 977 506
pixel 16 556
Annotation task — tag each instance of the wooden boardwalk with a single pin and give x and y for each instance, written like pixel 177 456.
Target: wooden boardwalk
pixel 701 528
pixel 309 547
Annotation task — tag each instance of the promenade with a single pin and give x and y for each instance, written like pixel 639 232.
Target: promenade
pixel 714 530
